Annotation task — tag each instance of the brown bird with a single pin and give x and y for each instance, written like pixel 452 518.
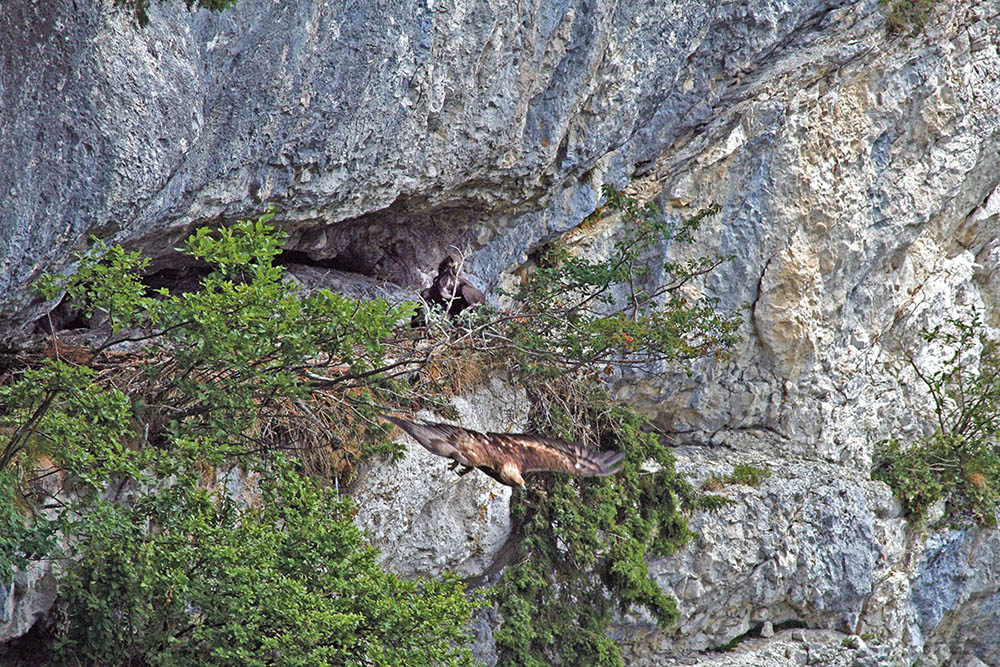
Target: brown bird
pixel 449 291
pixel 507 456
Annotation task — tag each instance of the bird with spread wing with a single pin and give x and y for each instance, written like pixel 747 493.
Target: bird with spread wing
pixel 507 456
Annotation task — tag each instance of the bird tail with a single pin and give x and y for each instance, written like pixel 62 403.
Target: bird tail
pixel 431 436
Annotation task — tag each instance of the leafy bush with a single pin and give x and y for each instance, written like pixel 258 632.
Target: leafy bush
pixel 140 8
pixel 584 548
pixel 123 451
pixel 21 539
pixel 960 461
pixel 585 544
pixel 237 355
pixel 289 581
pixel 904 16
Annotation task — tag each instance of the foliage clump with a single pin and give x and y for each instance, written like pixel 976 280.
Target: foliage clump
pixel 140 8
pixel 189 533
pixel 906 16
pixel 959 462
pixel 289 581
pixel 585 544
pixel 584 550
pixel 743 473
pixel 575 315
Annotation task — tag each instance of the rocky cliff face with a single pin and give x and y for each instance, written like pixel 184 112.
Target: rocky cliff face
pixel 857 174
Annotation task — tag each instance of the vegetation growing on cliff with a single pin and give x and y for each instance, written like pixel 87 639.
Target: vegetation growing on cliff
pixel 140 8
pixel 906 16
pixel 285 581
pixel 584 545
pixel 959 462
pixel 189 535
pixel 188 460
pixel 584 548
pixel 743 473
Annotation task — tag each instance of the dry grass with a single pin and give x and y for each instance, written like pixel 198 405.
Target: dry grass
pixel 977 479
pixel 322 429
pixel 329 429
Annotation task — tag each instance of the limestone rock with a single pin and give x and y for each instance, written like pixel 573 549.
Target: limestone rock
pixel 821 648
pixel 857 174
pixel 857 180
pixel 26 599
pixel 955 595
pixel 807 546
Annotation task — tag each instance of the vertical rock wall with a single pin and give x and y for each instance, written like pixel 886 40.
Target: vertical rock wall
pixel 857 174
pixel 859 186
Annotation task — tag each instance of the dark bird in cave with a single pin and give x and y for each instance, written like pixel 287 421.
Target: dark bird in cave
pixel 449 292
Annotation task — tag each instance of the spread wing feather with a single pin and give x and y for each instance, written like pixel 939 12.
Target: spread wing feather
pixel 506 456
pixel 442 439
pixel 536 454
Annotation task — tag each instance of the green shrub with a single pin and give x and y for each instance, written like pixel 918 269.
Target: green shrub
pixel 584 549
pixel 906 16
pixel 584 545
pixel 159 565
pixel 22 538
pixel 960 461
pixel 236 356
pixel 743 473
pixel 287 581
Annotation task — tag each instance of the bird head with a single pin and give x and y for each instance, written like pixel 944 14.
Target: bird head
pixel 447 265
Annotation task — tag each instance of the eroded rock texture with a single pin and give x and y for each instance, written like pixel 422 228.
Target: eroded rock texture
pixel 857 174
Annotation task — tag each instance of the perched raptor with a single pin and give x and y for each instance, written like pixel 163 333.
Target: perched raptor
pixel 449 291
pixel 507 456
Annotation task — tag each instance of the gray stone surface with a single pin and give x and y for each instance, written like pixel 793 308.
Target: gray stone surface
pixel 808 546
pixel 384 132
pixel 859 199
pixel 955 595
pixel 857 174
pixel 821 648
pixel 26 599
pixel 855 186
